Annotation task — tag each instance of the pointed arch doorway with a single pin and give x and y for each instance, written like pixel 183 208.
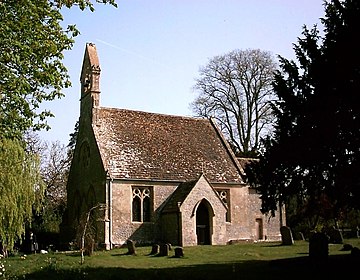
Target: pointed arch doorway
pixel 203 223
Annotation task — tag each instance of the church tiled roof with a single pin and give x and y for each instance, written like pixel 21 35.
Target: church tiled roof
pixel 149 146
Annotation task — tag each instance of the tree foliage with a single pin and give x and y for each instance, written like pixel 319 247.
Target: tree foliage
pixel 82 4
pixel 314 153
pixel 235 89
pixel 32 42
pixel 21 189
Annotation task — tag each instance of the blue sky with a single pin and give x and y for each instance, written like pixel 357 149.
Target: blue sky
pixel 150 51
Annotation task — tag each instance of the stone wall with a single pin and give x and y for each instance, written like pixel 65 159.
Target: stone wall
pixel 123 227
pixel 244 206
pixel 271 225
pixel 86 181
pixel 246 217
pixel 239 225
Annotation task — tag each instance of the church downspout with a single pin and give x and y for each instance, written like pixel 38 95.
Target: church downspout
pixel 109 213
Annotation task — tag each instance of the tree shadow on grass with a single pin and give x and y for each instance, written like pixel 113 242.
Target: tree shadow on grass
pixel 292 268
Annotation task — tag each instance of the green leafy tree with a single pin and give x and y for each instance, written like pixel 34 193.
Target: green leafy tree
pixel 21 189
pixel 314 153
pixel 32 42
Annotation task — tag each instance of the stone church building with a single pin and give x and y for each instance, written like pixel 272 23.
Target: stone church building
pixel 160 178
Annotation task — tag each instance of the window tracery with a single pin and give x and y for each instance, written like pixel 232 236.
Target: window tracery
pixel 141 204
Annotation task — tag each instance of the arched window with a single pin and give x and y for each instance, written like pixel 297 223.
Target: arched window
pixel 136 209
pixel 146 209
pixel 141 204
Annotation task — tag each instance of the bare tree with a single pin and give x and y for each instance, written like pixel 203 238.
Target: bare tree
pixel 55 169
pixel 55 159
pixel 235 89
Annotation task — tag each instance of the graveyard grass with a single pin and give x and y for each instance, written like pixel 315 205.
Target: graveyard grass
pixel 263 260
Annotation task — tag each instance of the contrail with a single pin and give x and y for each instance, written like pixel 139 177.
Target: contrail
pixel 132 53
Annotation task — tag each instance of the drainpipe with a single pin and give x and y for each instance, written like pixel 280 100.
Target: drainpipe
pixel 110 213
pixel 108 217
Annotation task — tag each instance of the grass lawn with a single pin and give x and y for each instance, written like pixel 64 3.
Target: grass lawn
pixel 241 261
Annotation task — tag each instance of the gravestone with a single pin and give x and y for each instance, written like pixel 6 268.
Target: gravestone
pixel 155 249
pixel 164 250
pixel 286 236
pixel 179 252
pixel 299 236
pixel 335 236
pixel 131 247
pixel 319 247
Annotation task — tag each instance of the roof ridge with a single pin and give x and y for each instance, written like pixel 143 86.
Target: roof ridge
pixel 153 113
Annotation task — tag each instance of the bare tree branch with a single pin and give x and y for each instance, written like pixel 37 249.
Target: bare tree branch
pixel 235 89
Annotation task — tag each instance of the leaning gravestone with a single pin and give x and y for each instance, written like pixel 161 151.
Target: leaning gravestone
pixel 131 247
pixel 299 236
pixel 319 247
pixel 286 236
